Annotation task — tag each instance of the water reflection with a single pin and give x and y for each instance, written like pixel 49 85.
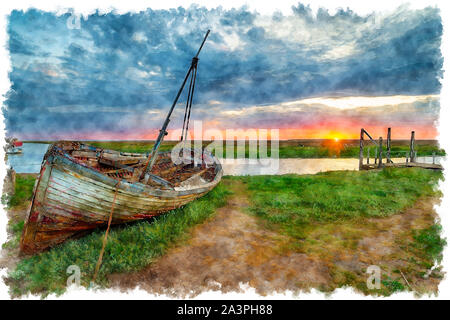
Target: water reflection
pixel 30 162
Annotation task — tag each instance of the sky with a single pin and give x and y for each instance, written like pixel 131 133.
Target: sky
pixel 310 74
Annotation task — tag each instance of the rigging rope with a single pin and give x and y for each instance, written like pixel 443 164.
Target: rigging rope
pixel 186 109
pixel 100 258
pixel 190 103
pixel 190 97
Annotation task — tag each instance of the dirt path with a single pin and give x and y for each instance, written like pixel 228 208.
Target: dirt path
pixel 234 248
pixel 230 249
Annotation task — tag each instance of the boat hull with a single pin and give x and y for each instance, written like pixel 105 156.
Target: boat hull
pixel 70 198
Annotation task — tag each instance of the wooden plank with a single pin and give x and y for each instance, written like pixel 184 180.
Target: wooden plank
pixel 361 148
pixel 380 152
pixel 411 147
pixel 84 154
pixel 405 165
pixel 104 193
pixel 388 146
pixel 27 241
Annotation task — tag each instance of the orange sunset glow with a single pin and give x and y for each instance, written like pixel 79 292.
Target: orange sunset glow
pixel 337 118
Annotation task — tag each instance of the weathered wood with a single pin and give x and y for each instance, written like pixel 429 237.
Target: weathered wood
pixel 404 165
pixel 84 154
pixel 411 156
pixel 380 153
pixel 368 155
pixel 361 149
pixel 388 146
pixel 376 155
pixel 192 178
pixel 411 147
pixel 117 160
pixel 71 197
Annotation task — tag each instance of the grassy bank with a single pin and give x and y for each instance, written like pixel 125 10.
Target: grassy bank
pixel 336 216
pixel 331 217
pixel 290 148
pixel 23 191
pixel 353 151
pixel 130 247
pixel 324 149
pixel 293 200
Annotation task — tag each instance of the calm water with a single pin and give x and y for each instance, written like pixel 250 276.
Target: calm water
pixel 30 162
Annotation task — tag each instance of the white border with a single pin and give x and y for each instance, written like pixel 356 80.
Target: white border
pixel 263 7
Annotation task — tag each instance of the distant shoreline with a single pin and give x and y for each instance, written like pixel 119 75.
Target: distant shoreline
pixel 299 148
pixel 176 141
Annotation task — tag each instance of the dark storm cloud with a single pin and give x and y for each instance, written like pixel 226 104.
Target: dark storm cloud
pixel 120 68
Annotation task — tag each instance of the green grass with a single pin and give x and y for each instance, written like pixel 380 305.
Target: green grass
pixel 396 151
pixel 292 201
pixel 130 146
pixel 129 248
pixel 328 149
pixel 324 214
pixel 15 231
pixel 23 191
pixel 429 243
pixel 393 285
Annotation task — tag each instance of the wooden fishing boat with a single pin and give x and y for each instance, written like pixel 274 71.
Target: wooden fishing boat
pixel 78 184
pixel 82 187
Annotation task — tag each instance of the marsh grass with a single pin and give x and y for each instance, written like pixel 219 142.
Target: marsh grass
pixel 131 146
pixel 327 149
pixel 326 215
pixel 293 200
pixel 129 248
pixel 23 191
pixel 15 230
pixel 429 244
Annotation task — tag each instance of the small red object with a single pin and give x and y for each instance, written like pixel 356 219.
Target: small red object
pixel 17 143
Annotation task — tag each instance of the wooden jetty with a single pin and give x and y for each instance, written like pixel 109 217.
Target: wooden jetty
pixel 410 159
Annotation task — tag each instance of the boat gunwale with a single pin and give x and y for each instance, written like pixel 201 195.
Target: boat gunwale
pixel 137 188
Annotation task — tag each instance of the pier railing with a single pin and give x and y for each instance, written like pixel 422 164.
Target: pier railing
pixel 385 152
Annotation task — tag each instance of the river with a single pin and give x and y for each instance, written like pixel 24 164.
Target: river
pixel 30 162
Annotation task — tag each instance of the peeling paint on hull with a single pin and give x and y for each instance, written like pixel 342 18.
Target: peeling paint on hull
pixel 70 198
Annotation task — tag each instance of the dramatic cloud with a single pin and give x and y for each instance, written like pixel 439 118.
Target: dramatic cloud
pixel 118 74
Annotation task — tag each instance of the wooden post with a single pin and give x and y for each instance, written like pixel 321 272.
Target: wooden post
pixel 376 155
pixel 361 149
pixel 380 153
pixel 411 148
pixel 434 157
pixel 388 146
pixel 368 155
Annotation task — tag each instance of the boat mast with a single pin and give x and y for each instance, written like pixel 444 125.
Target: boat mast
pixel 162 133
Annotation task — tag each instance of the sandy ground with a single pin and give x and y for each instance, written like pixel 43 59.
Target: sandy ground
pixel 222 253
pixel 233 248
